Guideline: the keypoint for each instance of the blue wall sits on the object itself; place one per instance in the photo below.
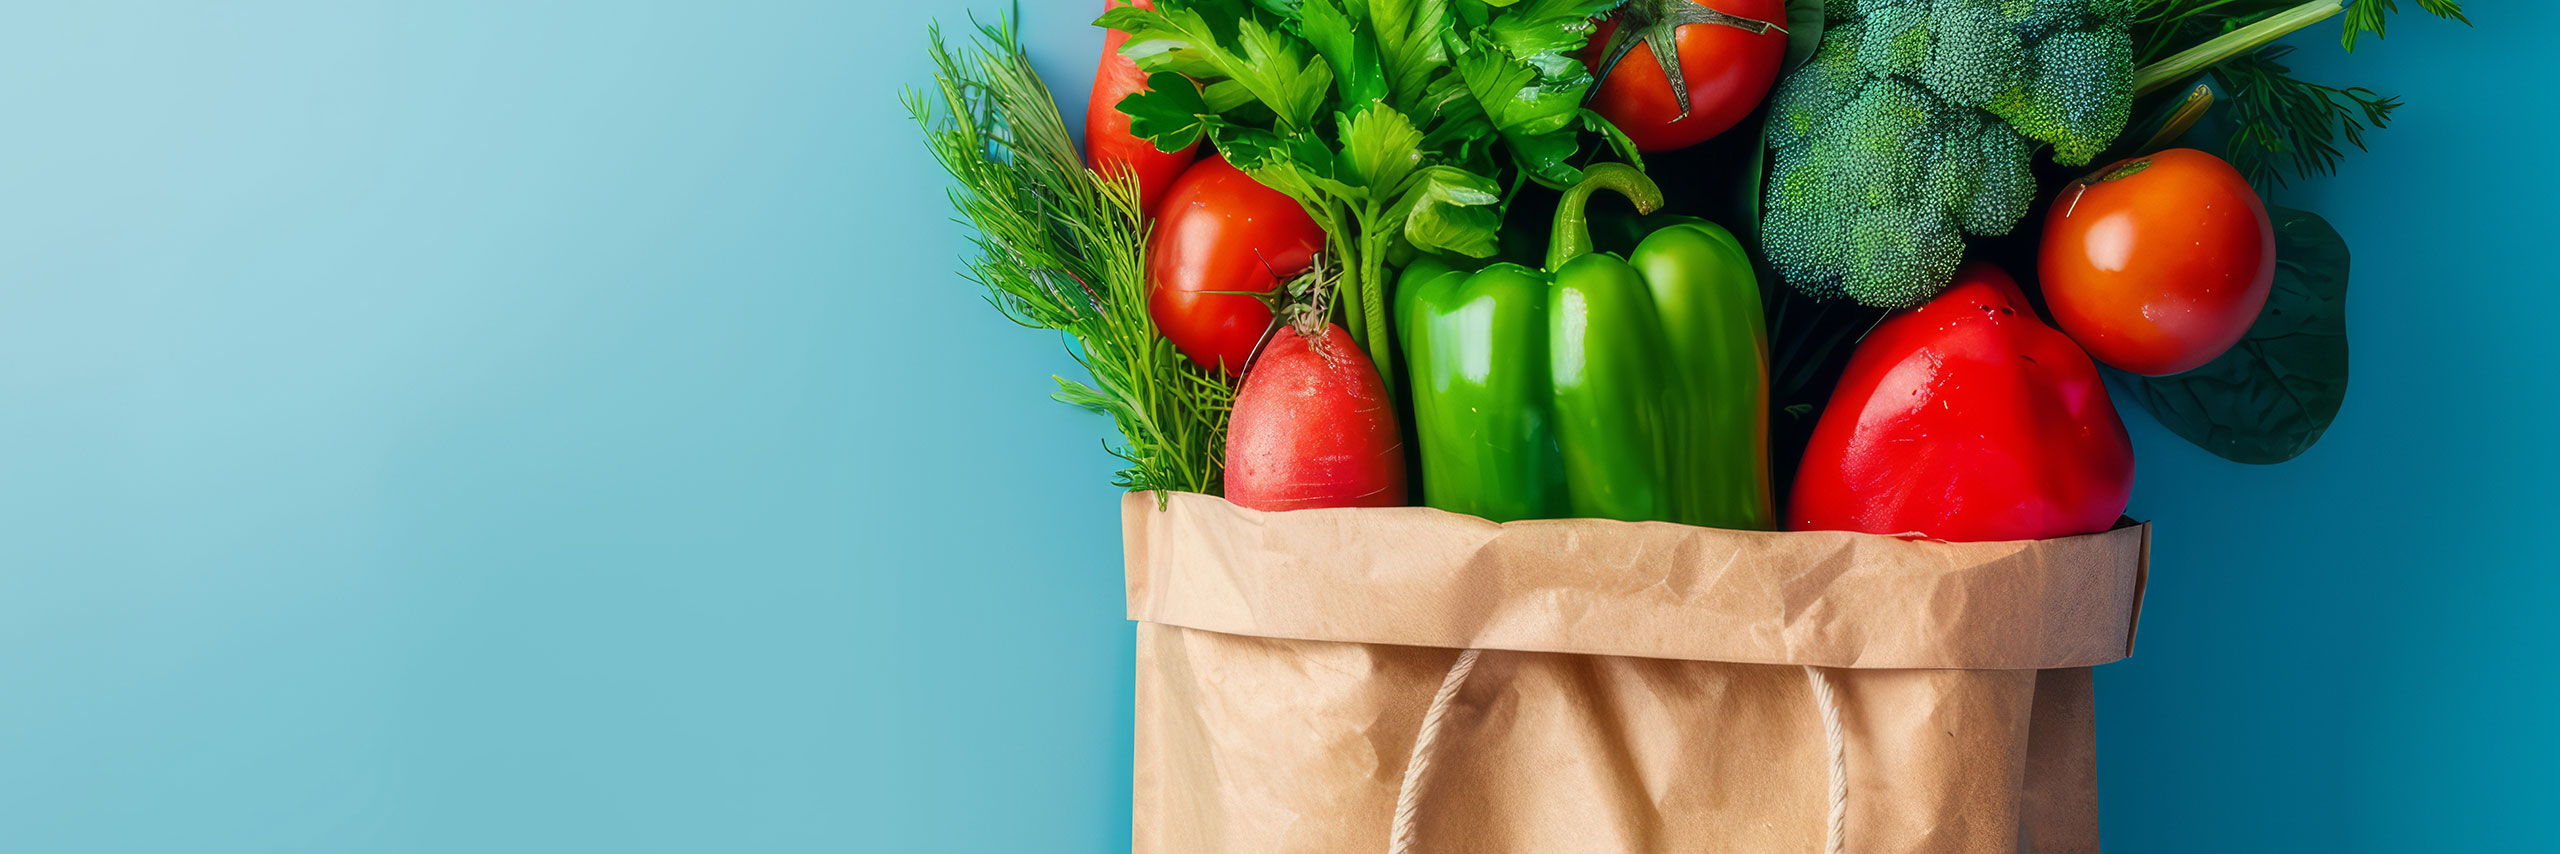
(484, 426)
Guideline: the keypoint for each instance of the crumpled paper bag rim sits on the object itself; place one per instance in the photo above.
(1417, 576)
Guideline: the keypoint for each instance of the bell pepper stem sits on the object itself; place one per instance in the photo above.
(1572, 235)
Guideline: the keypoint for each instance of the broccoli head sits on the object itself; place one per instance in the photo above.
(1913, 125)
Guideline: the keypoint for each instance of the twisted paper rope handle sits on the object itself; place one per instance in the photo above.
(1409, 796)
(1417, 770)
(1835, 840)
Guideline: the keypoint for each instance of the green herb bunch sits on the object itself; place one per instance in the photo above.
(1395, 123)
(1061, 248)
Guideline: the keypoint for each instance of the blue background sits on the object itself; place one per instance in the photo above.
(482, 426)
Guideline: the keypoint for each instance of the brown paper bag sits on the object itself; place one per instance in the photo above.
(1637, 687)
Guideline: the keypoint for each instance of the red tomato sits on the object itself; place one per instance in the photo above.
(1728, 70)
(2160, 263)
(1313, 428)
(1219, 230)
(1107, 143)
(1966, 419)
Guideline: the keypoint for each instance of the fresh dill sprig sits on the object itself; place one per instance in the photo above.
(2279, 117)
(1063, 249)
(2366, 16)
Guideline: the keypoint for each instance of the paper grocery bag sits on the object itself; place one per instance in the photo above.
(1636, 687)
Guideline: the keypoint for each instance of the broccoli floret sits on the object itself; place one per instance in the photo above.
(2075, 98)
(1896, 40)
(1979, 55)
(1913, 125)
(1823, 86)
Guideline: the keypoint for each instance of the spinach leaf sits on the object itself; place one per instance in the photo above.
(2270, 397)
(1804, 32)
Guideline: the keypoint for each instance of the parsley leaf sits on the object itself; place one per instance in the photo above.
(1394, 123)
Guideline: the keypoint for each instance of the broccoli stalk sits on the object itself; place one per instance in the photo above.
(1913, 125)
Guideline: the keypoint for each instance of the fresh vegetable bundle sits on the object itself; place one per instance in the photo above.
(1269, 183)
(1877, 265)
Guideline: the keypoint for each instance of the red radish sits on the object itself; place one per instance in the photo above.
(1313, 428)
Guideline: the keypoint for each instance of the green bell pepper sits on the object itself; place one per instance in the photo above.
(1632, 389)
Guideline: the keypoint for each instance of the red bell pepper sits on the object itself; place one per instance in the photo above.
(1967, 419)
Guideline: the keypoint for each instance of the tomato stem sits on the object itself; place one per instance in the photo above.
(1656, 24)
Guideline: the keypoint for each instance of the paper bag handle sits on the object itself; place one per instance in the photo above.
(1409, 795)
(1417, 770)
(1835, 840)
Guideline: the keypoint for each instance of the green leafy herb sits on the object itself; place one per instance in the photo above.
(2283, 118)
(2278, 117)
(1060, 248)
(2269, 398)
(1393, 122)
(2366, 16)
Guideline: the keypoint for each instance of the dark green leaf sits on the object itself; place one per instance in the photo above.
(1223, 95)
(1170, 114)
(1280, 72)
(2269, 398)
(1408, 33)
(1357, 71)
(1297, 164)
(1543, 157)
(1278, 69)
(1265, 156)
(1804, 32)
(1380, 147)
(1452, 210)
(1519, 99)
(1179, 41)
(1617, 139)
(1562, 10)
(1749, 195)
(1547, 34)
(1450, 110)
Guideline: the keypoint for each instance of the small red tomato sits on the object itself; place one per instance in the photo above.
(1313, 428)
(2158, 264)
(1108, 147)
(1220, 234)
(1727, 57)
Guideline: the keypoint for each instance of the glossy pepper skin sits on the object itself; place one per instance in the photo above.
(1602, 387)
(1966, 419)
